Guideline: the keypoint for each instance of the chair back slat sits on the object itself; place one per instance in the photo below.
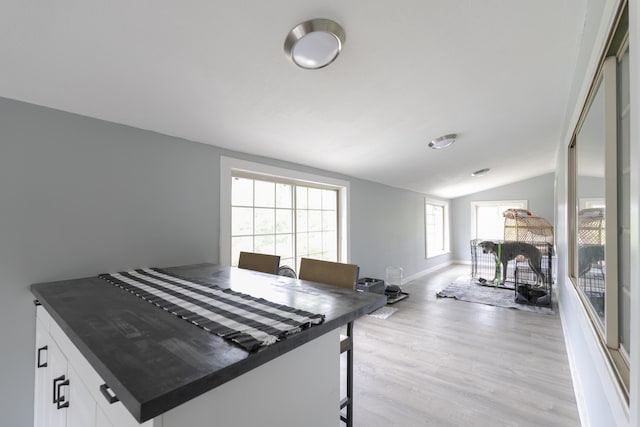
(329, 273)
(259, 262)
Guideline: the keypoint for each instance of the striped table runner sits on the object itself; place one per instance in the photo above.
(248, 321)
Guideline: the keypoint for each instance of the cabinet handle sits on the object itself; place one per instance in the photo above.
(55, 389)
(40, 364)
(111, 398)
(61, 399)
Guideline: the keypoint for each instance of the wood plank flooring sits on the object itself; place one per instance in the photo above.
(442, 362)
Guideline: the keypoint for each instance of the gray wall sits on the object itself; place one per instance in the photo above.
(538, 191)
(590, 187)
(388, 229)
(81, 196)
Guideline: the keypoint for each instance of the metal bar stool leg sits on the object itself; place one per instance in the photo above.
(347, 402)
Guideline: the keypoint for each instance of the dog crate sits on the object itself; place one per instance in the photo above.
(520, 226)
(486, 270)
(591, 262)
(592, 284)
(530, 290)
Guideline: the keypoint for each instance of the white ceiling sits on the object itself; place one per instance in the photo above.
(497, 72)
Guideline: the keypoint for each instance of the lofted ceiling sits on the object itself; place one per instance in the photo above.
(497, 72)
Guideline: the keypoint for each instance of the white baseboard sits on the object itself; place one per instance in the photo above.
(571, 355)
(594, 378)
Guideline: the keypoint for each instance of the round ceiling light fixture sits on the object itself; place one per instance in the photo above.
(443, 141)
(481, 172)
(315, 43)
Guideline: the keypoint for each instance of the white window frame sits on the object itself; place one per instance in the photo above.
(607, 331)
(516, 204)
(591, 202)
(229, 164)
(445, 227)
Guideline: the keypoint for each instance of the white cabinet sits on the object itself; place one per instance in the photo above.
(58, 385)
(102, 420)
(52, 384)
(70, 393)
(82, 412)
(67, 388)
(42, 372)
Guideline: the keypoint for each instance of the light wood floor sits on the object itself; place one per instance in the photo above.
(442, 362)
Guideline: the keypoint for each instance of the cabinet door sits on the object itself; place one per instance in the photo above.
(82, 408)
(41, 402)
(102, 420)
(56, 413)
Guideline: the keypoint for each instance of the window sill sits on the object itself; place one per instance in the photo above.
(437, 254)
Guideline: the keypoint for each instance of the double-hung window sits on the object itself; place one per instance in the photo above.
(436, 227)
(281, 212)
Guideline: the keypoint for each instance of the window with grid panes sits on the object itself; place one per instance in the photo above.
(283, 218)
(436, 227)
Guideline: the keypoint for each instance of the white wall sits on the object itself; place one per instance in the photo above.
(80, 196)
(538, 191)
(599, 400)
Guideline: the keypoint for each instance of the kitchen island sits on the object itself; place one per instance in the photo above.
(166, 371)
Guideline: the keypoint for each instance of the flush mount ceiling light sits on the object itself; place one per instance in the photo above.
(443, 141)
(315, 43)
(481, 172)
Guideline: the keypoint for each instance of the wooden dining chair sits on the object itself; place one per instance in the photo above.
(259, 262)
(344, 276)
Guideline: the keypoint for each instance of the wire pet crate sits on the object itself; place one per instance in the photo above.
(592, 283)
(591, 262)
(528, 289)
(520, 225)
(486, 270)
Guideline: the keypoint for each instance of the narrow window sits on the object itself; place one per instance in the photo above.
(436, 227)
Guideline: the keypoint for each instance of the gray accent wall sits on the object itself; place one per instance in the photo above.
(80, 196)
(388, 229)
(538, 191)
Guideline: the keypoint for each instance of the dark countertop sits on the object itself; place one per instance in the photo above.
(155, 361)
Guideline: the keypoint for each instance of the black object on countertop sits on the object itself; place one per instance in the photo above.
(368, 284)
